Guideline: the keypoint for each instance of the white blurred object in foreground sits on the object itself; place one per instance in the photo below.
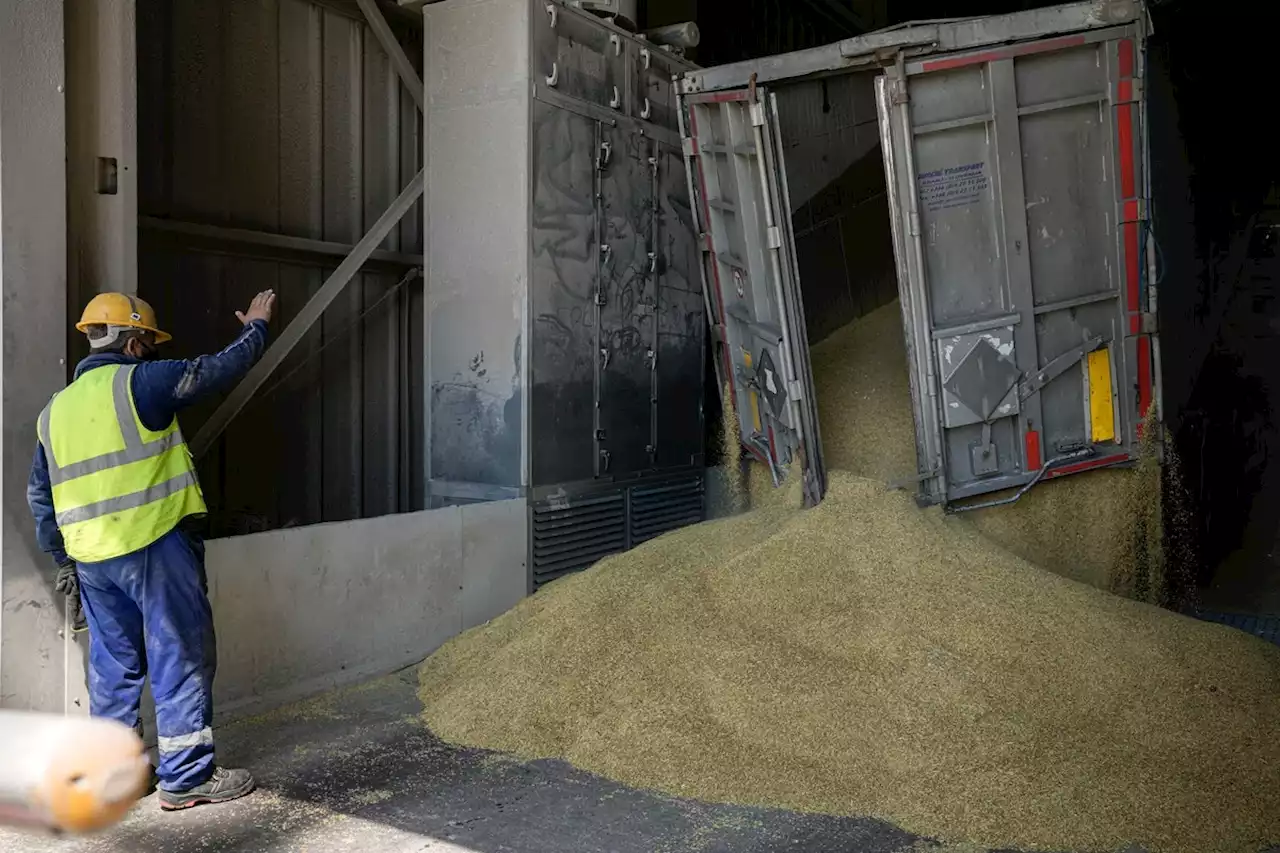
(68, 774)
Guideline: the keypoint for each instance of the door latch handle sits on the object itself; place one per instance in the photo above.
(553, 79)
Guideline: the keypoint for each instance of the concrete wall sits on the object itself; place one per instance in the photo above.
(304, 610)
(298, 610)
(476, 74)
(102, 114)
(37, 669)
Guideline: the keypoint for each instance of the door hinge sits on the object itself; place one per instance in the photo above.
(795, 390)
(899, 92)
(774, 235)
(600, 299)
(913, 223)
(757, 115)
(652, 357)
(1149, 324)
(690, 148)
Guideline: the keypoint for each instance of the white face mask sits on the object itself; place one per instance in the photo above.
(113, 334)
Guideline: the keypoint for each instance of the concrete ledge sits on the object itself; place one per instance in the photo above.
(306, 610)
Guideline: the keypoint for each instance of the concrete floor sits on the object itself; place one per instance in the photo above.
(357, 771)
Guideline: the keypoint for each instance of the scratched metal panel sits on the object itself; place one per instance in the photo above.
(628, 291)
(565, 267)
(477, 84)
(1021, 174)
(682, 322)
(285, 116)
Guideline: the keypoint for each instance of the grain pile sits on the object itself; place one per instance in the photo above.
(1101, 529)
(870, 658)
(867, 657)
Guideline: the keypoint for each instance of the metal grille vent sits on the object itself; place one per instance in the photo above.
(569, 536)
(659, 509)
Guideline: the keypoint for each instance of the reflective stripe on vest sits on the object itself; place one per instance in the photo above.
(134, 448)
(111, 502)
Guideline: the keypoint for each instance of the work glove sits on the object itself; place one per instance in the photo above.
(67, 582)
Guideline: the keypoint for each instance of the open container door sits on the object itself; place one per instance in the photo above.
(752, 292)
(1017, 181)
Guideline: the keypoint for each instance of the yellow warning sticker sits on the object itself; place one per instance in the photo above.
(1101, 407)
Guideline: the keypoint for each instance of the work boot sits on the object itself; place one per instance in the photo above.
(223, 785)
(153, 781)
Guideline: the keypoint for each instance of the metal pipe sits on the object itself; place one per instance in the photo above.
(684, 35)
(68, 774)
(285, 245)
(939, 461)
(1040, 475)
(381, 29)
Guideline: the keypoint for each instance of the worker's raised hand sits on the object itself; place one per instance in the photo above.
(259, 309)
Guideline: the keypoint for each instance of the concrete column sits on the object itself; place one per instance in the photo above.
(102, 151)
(38, 669)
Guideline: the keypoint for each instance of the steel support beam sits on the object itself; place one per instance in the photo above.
(408, 74)
(307, 317)
(351, 264)
(281, 244)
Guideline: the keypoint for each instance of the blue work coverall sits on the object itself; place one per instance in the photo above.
(148, 612)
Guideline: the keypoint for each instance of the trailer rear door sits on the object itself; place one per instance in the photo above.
(1018, 188)
(754, 305)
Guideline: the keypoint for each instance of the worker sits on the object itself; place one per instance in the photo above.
(111, 487)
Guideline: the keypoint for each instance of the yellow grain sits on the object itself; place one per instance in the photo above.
(868, 657)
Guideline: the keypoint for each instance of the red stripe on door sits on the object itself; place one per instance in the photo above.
(1126, 57)
(1144, 380)
(1087, 465)
(1006, 53)
(1131, 275)
(718, 97)
(1033, 450)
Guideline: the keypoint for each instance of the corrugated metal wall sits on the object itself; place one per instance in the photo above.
(285, 116)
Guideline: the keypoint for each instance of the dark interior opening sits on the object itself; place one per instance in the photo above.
(1215, 219)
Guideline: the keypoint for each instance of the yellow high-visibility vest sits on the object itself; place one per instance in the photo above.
(117, 486)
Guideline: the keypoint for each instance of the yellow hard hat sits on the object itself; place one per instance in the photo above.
(121, 309)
